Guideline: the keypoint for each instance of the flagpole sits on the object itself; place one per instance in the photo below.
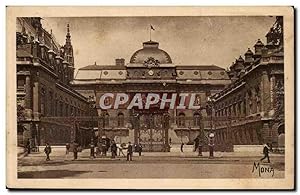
(150, 31)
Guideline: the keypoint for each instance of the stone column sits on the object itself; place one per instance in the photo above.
(255, 137)
(100, 127)
(247, 111)
(241, 108)
(27, 134)
(247, 137)
(272, 90)
(36, 100)
(28, 93)
(242, 136)
(265, 92)
(266, 132)
(166, 129)
(73, 130)
(38, 135)
(254, 100)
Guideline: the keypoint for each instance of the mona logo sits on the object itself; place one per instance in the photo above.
(262, 169)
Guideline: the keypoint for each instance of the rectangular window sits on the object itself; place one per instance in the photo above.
(21, 83)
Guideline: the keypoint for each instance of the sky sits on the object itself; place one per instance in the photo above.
(189, 40)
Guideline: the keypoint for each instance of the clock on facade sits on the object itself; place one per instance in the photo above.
(150, 72)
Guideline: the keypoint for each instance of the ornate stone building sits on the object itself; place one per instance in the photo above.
(251, 109)
(44, 72)
(151, 70)
(243, 105)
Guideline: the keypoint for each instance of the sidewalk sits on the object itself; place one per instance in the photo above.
(22, 152)
(58, 151)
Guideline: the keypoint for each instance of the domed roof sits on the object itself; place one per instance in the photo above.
(150, 52)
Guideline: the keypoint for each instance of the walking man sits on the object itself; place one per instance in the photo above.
(196, 143)
(140, 149)
(103, 147)
(67, 148)
(92, 147)
(28, 146)
(181, 147)
(114, 149)
(266, 153)
(121, 149)
(47, 151)
(200, 148)
(129, 152)
(75, 150)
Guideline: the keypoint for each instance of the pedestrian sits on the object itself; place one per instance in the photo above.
(196, 143)
(136, 148)
(181, 147)
(103, 147)
(98, 150)
(170, 141)
(129, 152)
(120, 147)
(266, 153)
(113, 149)
(28, 146)
(92, 147)
(200, 148)
(107, 143)
(211, 147)
(47, 151)
(67, 148)
(140, 149)
(75, 150)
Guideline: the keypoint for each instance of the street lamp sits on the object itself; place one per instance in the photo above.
(92, 106)
(211, 134)
(189, 127)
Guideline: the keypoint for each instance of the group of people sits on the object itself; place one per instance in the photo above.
(75, 148)
(137, 147)
(103, 146)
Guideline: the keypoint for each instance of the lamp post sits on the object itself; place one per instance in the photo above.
(92, 106)
(190, 128)
(211, 135)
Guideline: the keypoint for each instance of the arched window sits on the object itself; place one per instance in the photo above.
(281, 129)
(196, 119)
(67, 110)
(239, 108)
(258, 99)
(51, 103)
(181, 120)
(250, 103)
(60, 108)
(43, 102)
(120, 120)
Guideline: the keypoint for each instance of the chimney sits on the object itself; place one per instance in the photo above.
(258, 46)
(120, 62)
(248, 56)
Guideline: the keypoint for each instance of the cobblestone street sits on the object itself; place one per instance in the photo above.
(149, 165)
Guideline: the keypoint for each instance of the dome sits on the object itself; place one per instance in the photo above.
(150, 52)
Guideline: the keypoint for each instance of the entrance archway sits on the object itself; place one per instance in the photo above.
(281, 129)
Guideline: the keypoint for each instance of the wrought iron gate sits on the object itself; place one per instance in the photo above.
(152, 132)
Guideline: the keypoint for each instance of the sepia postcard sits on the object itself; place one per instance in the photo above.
(150, 98)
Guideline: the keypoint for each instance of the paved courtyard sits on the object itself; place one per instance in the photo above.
(150, 165)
